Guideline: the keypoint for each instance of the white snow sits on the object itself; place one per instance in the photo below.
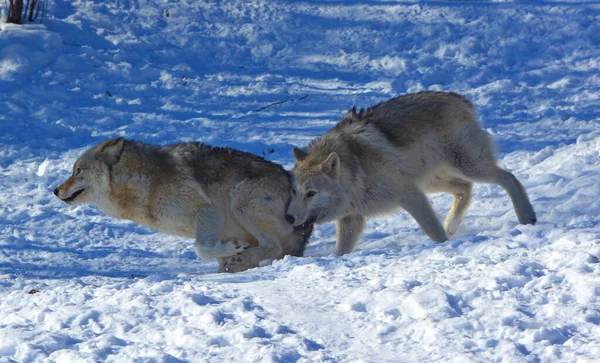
(167, 71)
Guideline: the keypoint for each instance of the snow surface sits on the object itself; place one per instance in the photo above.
(167, 71)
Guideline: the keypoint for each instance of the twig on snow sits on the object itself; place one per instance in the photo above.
(278, 103)
(270, 105)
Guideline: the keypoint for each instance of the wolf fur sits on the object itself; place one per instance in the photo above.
(389, 156)
(231, 202)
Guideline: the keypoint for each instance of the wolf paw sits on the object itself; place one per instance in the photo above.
(451, 228)
(528, 219)
(209, 249)
(236, 263)
(239, 245)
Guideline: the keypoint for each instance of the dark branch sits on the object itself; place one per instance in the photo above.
(270, 105)
(278, 103)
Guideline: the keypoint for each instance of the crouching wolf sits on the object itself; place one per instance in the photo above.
(233, 203)
(389, 156)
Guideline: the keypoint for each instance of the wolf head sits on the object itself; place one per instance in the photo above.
(89, 182)
(317, 194)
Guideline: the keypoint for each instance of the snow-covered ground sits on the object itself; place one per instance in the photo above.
(166, 71)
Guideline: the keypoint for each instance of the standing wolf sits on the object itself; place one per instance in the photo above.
(389, 156)
(230, 201)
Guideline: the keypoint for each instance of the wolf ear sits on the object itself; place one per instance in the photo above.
(352, 113)
(111, 150)
(331, 165)
(299, 155)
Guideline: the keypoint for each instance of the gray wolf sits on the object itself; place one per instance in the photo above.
(389, 156)
(231, 202)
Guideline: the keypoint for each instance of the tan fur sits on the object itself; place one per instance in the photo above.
(67, 184)
(388, 156)
(232, 203)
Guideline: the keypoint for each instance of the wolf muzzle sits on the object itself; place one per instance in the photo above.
(66, 185)
(305, 225)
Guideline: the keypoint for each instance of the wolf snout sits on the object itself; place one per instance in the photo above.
(302, 226)
(290, 218)
(73, 196)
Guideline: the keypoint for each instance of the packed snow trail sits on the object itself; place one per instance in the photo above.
(165, 72)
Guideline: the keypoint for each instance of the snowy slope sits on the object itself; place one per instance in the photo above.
(168, 71)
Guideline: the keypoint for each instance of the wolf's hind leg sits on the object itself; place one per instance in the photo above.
(518, 196)
(461, 189)
(260, 210)
(471, 153)
(414, 201)
(208, 246)
(348, 232)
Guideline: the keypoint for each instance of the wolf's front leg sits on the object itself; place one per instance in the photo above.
(414, 201)
(208, 246)
(348, 232)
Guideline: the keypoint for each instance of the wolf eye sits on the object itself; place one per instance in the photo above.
(311, 194)
(294, 191)
(77, 171)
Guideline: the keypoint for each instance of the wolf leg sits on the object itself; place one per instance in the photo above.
(518, 196)
(208, 246)
(269, 231)
(461, 189)
(414, 201)
(470, 152)
(258, 209)
(347, 233)
(292, 245)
